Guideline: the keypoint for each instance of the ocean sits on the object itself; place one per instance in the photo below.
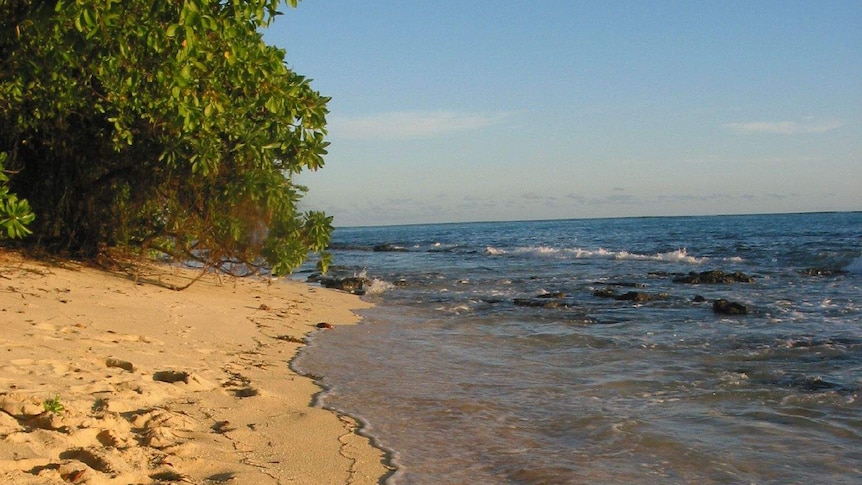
(584, 351)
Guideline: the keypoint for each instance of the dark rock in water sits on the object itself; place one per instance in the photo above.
(714, 277)
(828, 343)
(313, 278)
(822, 272)
(351, 284)
(324, 325)
(605, 293)
(726, 307)
(812, 384)
(659, 274)
(388, 248)
(635, 296)
(699, 299)
(545, 300)
(624, 284)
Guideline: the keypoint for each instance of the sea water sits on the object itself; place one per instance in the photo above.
(461, 385)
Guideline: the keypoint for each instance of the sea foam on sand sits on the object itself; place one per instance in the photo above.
(149, 385)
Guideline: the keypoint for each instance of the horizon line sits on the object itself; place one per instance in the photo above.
(585, 218)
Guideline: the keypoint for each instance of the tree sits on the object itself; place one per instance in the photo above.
(15, 214)
(164, 125)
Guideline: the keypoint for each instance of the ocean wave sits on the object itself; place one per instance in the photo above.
(579, 253)
(438, 247)
(538, 251)
(677, 256)
(378, 287)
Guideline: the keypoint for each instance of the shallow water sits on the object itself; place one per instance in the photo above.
(464, 386)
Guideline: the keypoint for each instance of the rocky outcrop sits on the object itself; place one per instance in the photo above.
(633, 296)
(351, 284)
(822, 272)
(545, 300)
(624, 284)
(714, 277)
(726, 307)
(388, 248)
(640, 296)
(605, 293)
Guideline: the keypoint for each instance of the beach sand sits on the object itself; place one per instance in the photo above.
(162, 386)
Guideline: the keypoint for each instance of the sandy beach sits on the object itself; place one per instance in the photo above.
(148, 385)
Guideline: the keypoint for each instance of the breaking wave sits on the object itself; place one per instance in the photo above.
(677, 256)
(378, 287)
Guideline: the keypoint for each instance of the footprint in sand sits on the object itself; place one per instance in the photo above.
(8, 425)
(110, 438)
(116, 338)
(162, 429)
(246, 392)
(171, 376)
(19, 406)
(95, 459)
(40, 367)
(193, 381)
(239, 385)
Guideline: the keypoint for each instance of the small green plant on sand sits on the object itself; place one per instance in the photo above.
(53, 405)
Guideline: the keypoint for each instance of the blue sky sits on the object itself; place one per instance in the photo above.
(478, 110)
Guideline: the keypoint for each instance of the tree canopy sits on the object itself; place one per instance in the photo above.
(160, 125)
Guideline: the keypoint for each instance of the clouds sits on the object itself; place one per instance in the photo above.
(616, 199)
(406, 125)
(783, 127)
(533, 205)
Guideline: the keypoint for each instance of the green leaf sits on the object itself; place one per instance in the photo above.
(89, 20)
(139, 123)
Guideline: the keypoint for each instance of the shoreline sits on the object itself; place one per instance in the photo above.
(361, 426)
(150, 384)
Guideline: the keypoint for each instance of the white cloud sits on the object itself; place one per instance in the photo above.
(405, 125)
(783, 127)
(604, 200)
(535, 196)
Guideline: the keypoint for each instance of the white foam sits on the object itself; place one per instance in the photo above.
(677, 256)
(539, 250)
(377, 287)
(680, 255)
(580, 253)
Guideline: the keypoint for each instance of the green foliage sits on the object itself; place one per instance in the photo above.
(160, 125)
(15, 214)
(53, 405)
